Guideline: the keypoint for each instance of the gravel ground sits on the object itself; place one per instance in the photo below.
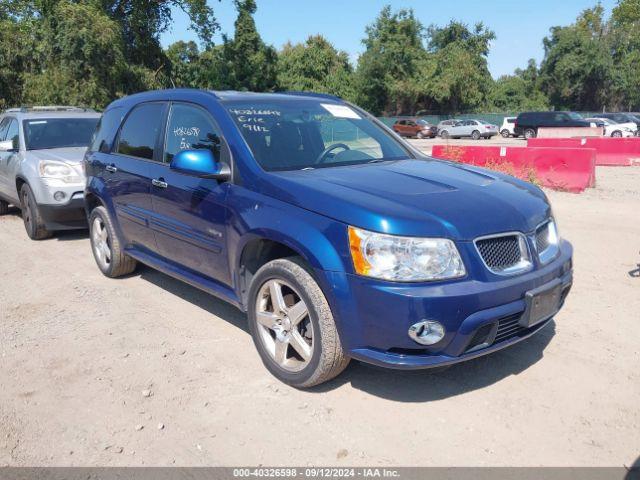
(149, 371)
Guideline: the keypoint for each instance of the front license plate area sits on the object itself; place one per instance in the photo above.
(542, 303)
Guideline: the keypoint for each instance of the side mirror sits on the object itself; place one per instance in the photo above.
(7, 146)
(199, 163)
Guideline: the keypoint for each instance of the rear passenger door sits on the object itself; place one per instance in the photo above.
(190, 212)
(127, 172)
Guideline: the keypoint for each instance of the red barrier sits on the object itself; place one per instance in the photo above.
(569, 169)
(609, 151)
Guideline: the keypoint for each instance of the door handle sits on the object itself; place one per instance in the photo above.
(111, 168)
(159, 182)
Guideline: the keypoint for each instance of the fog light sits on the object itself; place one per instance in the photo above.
(426, 332)
(59, 196)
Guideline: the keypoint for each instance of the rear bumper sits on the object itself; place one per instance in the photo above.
(69, 216)
(479, 317)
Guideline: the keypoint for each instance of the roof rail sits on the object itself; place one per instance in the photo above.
(313, 94)
(48, 108)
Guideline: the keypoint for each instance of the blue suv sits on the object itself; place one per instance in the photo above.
(336, 237)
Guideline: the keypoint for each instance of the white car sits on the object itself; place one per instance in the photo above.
(506, 129)
(614, 129)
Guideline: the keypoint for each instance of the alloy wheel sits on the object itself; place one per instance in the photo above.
(100, 241)
(284, 326)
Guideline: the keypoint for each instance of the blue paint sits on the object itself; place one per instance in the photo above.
(197, 227)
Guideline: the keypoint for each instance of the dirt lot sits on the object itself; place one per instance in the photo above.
(149, 371)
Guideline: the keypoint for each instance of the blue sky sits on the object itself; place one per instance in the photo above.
(519, 26)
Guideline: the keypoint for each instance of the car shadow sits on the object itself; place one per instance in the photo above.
(397, 385)
(193, 295)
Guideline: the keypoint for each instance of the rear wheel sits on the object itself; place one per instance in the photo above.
(475, 135)
(292, 325)
(505, 133)
(420, 135)
(33, 221)
(529, 133)
(617, 134)
(106, 247)
(4, 207)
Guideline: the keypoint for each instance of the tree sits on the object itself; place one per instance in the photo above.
(518, 92)
(315, 66)
(458, 75)
(250, 64)
(82, 58)
(577, 70)
(386, 78)
(184, 64)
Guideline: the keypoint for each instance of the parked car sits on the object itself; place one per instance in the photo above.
(475, 129)
(622, 117)
(506, 130)
(527, 123)
(415, 128)
(362, 248)
(615, 129)
(446, 123)
(41, 150)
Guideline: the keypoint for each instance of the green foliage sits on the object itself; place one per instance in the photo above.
(89, 52)
(315, 66)
(249, 64)
(577, 71)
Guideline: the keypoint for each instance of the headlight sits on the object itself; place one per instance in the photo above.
(59, 171)
(404, 259)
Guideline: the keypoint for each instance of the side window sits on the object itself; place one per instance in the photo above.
(140, 131)
(190, 128)
(13, 133)
(3, 128)
(511, 120)
(106, 130)
(411, 123)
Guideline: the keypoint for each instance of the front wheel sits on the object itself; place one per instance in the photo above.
(505, 133)
(31, 216)
(529, 133)
(444, 134)
(617, 134)
(420, 135)
(292, 325)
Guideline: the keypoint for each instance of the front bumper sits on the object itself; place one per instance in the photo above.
(374, 316)
(67, 216)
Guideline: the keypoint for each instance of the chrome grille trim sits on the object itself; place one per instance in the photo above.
(494, 250)
(546, 251)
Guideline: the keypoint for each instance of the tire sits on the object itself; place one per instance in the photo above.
(616, 134)
(420, 136)
(276, 335)
(106, 246)
(530, 133)
(505, 133)
(31, 216)
(476, 135)
(4, 207)
(444, 134)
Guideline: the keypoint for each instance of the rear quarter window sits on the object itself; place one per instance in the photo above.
(106, 130)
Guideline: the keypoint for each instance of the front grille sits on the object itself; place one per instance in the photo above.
(508, 327)
(542, 238)
(503, 253)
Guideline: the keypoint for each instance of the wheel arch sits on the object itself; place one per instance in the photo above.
(260, 247)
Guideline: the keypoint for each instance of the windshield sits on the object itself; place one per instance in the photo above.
(423, 122)
(295, 134)
(43, 133)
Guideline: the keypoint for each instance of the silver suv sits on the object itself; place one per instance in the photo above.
(41, 151)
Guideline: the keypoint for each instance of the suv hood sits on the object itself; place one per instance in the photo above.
(70, 155)
(416, 197)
